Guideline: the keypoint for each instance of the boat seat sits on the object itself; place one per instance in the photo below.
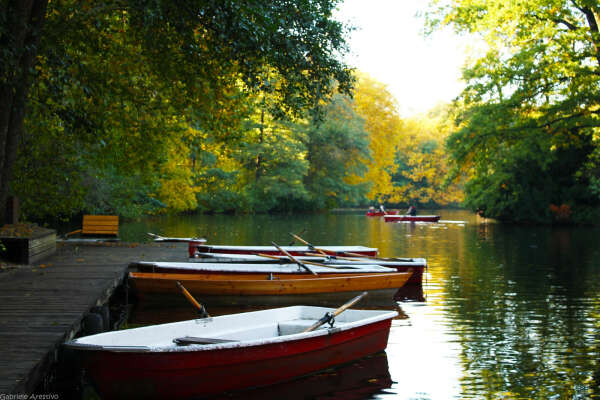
(184, 341)
(297, 326)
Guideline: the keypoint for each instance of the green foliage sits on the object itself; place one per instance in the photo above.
(119, 85)
(528, 121)
(422, 164)
(335, 148)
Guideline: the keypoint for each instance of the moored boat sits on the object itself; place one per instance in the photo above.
(259, 268)
(219, 262)
(411, 218)
(267, 288)
(196, 247)
(159, 238)
(214, 355)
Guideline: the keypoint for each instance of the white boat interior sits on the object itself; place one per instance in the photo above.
(240, 258)
(275, 268)
(234, 330)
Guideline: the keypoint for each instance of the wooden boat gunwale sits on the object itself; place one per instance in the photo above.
(254, 258)
(275, 267)
(212, 284)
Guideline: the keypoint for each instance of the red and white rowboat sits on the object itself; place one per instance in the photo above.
(377, 213)
(227, 353)
(411, 218)
(199, 247)
(219, 262)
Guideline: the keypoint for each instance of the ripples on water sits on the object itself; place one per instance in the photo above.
(511, 312)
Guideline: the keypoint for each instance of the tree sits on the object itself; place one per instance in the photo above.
(374, 103)
(188, 46)
(21, 25)
(422, 162)
(529, 117)
(336, 147)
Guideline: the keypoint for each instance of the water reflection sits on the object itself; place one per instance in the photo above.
(509, 311)
(361, 379)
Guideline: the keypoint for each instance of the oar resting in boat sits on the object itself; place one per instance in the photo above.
(330, 316)
(300, 263)
(306, 262)
(323, 252)
(201, 309)
(310, 246)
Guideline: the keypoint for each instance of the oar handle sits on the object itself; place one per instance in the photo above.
(329, 316)
(284, 260)
(300, 263)
(310, 246)
(269, 256)
(357, 254)
(191, 299)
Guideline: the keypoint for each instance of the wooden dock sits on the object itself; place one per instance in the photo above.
(43, 305)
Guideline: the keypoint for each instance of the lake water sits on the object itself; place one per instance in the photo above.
(510, 312)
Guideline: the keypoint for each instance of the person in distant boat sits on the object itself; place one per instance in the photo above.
(481, 211)
(381, 208)
(412, 210)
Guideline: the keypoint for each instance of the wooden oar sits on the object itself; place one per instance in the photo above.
(361, 256)
(329, 316)
(301, 232)
(300, 263)
(201, 310)
(333, 257)
(304, 261)
(310, 246)
(326, 254)
(358, 255)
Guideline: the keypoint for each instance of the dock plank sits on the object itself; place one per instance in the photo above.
(43, 304)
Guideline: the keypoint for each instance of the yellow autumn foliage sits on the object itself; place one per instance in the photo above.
(177, 190)
(375, 104)
(425, 162)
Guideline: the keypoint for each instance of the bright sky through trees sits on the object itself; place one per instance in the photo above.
(389, 45)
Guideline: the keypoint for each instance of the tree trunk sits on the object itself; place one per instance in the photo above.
(19, 40)
(258, 165)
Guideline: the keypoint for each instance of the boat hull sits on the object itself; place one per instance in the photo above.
(416, 266)
(411, 218)
(200, 372)
(264, 284)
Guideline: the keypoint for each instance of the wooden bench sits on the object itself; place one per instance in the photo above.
(98, 225)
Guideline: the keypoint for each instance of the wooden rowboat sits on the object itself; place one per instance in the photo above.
(196, 247)
(256, 284)
(214, 289)
(411, 218)
(253, 263)
(158, 238)
(208, 356)
(261, 268)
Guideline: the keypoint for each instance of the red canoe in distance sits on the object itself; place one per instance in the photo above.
(411, 218)
(380, 213)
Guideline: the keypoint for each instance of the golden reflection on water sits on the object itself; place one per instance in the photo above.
(508, 311)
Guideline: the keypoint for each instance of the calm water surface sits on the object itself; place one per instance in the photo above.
(510, 312)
